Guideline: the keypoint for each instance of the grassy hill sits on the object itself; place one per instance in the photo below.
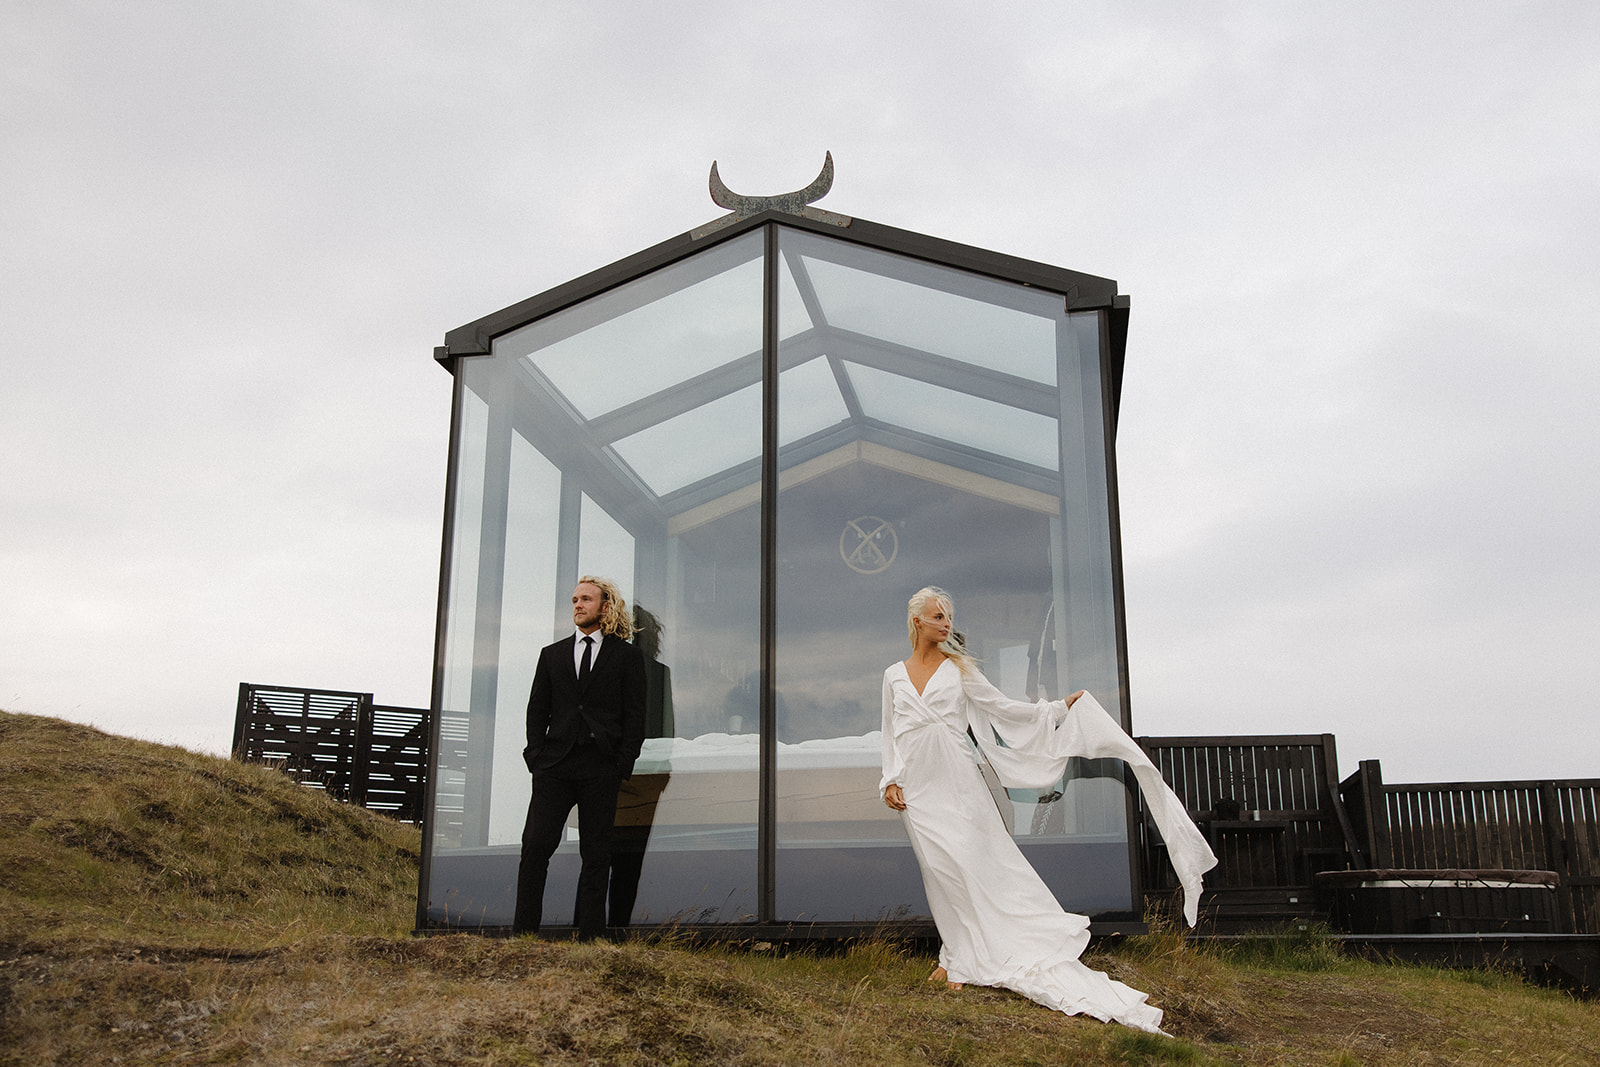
(104, 839)
(162, 907)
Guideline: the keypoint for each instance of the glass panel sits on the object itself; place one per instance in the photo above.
(934, 427)
(525, 623)
(607, 549)
(650, 334)
(950, 415)
(450, 771)
(467, 525)
(725, 433)
(700, 443)
(938, 475)
(544, 498)
(936, 310)
(793, 317)
(811, 401)
(1093, 801)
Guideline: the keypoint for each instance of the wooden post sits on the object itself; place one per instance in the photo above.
(361, 751)
(1331, 783)
(241, 716)
(1370, 782)
(1557, 854)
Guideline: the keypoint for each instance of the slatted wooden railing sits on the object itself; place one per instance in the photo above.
(1269, 804)
(369, 754)
(1529, 825)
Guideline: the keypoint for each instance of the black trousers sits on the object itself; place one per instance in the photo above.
(585, 778)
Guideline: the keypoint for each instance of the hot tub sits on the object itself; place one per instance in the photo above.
(1439, 902)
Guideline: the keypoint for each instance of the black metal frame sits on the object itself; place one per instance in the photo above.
(1079, 291)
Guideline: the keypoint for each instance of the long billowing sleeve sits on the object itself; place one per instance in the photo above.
(1039, 740)
(894, 764)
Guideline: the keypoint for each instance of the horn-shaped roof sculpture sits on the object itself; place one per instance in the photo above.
(795, 203)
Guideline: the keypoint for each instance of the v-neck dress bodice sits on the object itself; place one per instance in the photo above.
(999, 924)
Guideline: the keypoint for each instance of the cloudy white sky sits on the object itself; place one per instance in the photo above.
(1358, 447)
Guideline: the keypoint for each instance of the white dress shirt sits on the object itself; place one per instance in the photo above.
(577, 649)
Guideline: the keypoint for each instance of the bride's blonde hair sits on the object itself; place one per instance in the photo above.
(951, 646)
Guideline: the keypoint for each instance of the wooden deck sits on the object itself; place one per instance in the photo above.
(1271, 809)
(1528, 825)
(1277, 814)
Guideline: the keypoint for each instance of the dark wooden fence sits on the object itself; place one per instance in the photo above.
(374, 755)
(1276, 815)
(1536, 826)
(1269, 805)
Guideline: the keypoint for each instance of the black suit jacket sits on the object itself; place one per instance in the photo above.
(611, 704)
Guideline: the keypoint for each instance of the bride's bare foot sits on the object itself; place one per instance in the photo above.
(941, 975)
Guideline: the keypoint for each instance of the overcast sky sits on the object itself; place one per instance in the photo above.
(1358, 448)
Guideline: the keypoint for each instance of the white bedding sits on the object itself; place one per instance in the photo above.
(730, 752)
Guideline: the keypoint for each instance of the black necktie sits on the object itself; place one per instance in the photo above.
(583, 668)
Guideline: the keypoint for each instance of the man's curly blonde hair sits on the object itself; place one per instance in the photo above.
(614, 618)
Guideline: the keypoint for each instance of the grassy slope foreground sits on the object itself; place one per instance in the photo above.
(159, 906)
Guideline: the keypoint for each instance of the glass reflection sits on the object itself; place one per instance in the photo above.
(567, 466)
(946, 474)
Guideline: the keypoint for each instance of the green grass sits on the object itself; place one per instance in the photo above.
(163, 907)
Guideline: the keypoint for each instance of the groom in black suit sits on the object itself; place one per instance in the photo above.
(585, 728)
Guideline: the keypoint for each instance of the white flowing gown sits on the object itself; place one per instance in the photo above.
(998, 922)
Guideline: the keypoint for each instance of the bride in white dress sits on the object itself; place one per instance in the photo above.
(998, 922)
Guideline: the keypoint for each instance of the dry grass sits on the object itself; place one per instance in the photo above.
(106, 837)
(161, 907)
(470, 1000)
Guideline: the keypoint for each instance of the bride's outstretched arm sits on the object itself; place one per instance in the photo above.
(1020, 722)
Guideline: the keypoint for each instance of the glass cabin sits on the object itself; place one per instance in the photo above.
(770, 435)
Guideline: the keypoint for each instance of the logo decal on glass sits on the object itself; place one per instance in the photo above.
(868, 544)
